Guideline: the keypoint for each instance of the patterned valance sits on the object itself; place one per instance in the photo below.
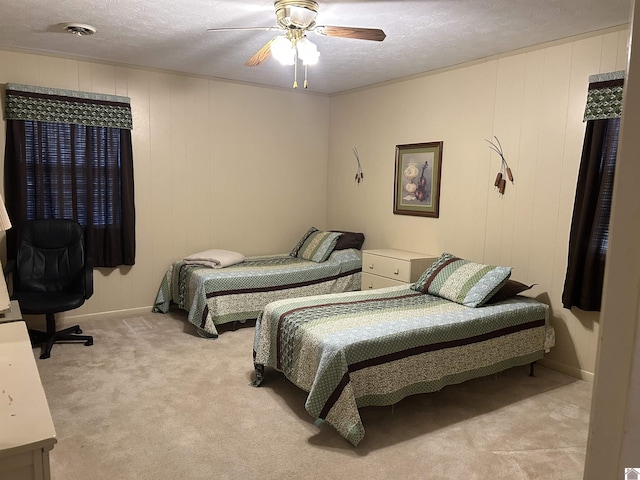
(604, 98)
(27, 102)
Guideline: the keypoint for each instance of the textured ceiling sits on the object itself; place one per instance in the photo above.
(422, 35)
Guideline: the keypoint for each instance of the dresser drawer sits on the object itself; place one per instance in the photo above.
(393, 268)
(370, 281)
(387, 267)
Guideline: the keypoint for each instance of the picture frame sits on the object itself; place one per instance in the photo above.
(418, 170)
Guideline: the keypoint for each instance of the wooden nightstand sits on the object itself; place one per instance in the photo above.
(387, 267)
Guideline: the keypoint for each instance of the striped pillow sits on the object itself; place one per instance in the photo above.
(318, 246)
(462, 281)
(296, 249)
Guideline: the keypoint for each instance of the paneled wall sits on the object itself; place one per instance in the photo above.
(216, 164)
(533, 101)
(226, 165)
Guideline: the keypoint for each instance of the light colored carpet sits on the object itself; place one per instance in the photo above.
(152, 400)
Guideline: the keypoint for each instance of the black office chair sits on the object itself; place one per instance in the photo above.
(51, 274)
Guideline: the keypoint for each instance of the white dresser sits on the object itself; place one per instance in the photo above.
(26, 429)
(387, 267)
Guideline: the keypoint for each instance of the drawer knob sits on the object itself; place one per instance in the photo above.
(371, 266)
(397, 272)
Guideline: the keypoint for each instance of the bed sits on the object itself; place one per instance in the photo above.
(375, 347)
(216, 296)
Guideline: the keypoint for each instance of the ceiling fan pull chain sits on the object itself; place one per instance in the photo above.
(306, 84)
(295, 70)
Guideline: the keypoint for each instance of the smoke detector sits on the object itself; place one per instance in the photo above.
(79, 29)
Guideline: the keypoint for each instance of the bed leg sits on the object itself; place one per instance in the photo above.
(531, 373)
(259, 368)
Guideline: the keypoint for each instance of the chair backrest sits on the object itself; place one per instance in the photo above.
(50, 256)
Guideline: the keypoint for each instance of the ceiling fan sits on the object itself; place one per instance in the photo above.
(296, 18)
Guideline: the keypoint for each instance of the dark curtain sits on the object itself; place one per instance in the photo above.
(57, 170)
(589, 237)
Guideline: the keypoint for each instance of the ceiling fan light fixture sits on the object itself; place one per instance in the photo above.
(301, 17)
(312, 60)
(307, 51)
(296, 13)
(283, 50)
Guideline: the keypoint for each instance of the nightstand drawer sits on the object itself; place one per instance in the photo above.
(370, 281)
(393, 268)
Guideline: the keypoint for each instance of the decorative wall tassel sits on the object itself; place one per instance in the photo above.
(500, 182)
(509, 175)
(359, 175)
(503, 184)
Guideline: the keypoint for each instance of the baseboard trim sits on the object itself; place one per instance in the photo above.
(567, 369)
(69, 320)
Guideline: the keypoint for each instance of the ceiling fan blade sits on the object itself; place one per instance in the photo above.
(261, 55)
(352, 32)
(230, 29)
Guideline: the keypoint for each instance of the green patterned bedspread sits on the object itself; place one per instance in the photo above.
(376, 347)
(214, 296)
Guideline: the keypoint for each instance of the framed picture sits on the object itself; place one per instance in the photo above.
(417, 179)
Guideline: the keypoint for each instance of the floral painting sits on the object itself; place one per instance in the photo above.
(417, 179)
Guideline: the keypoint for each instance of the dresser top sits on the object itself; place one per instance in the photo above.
(25, 421)
(399, 254)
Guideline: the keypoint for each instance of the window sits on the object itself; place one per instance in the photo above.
(72, 160)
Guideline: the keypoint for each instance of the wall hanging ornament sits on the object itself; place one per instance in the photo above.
(359, 174)
(500, 182)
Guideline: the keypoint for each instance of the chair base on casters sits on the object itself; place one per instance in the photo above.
(48, 338)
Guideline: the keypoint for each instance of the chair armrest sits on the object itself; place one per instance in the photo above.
(88, 277)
